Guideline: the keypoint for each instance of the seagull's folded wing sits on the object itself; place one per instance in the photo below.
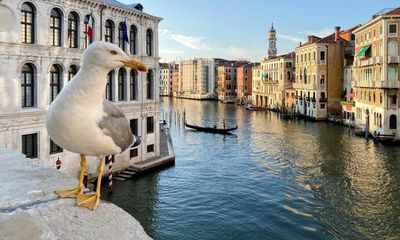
(116, 125)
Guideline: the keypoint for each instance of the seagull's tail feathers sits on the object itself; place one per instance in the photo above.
(137, 142)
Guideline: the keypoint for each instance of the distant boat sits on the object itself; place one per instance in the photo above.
(253, 108)
(211, 129)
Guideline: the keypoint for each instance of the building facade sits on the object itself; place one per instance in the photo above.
(175, 81)
(41, 43)
(277, 74)
(244, 83)
(226, 83)
(167, 70)
(376, 74)
(196, 79)
(319, 75)
(257, 94)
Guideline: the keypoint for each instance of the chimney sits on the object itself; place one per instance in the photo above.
(337, 30)
(300, 44)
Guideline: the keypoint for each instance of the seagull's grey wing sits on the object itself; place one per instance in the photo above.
(116, 125)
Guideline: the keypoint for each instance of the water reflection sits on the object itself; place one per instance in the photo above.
(272, 179)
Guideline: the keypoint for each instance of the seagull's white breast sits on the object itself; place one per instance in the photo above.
(72, 122)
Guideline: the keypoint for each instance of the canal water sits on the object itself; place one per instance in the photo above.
(271, 179)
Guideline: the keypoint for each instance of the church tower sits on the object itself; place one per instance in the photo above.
(272, 42)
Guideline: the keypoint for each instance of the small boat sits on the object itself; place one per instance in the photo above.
(211, 129)
(251, 107)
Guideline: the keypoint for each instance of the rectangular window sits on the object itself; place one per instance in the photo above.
(133, 153)
(150, 148)
(392, 73)
(322, 56)
(150, 125)
(29, 145)
(134, 126)
(54, 148)
(392, 28)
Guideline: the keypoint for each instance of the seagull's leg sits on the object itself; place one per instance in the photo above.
(92, 200)
(74, 192)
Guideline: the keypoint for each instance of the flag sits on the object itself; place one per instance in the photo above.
(90, 27)
(124, 32)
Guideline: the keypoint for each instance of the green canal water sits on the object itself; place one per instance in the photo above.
(271, 179)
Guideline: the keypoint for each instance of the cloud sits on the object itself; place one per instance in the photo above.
(164, 51)
(192, 42)
(291, 38)
(301, 36)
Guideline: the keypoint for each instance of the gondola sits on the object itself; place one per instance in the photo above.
(211, 129)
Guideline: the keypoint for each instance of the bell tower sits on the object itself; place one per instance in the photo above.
(272, 42)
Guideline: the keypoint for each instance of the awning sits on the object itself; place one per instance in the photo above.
(264, 75)
(363, 50)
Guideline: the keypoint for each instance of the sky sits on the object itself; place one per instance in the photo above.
(235, 30)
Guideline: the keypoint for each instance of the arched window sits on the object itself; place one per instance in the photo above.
(288, 76)
(109, 86)
(27, 23)
(87, 39)
(133, 39)
(149, 84)
(121, 84)
(392, 49)
(149, 42)
(305, 75)
(55, 27)
(374, 97)
(27, 85)
(73, 69)
(393, 122)
(133, 84)
(55, 81)
(121, 42)
(73, 24)
(109, 35)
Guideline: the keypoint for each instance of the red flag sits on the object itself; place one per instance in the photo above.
(90, 27)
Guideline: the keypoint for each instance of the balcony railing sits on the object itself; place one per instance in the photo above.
(322, 99)
(376, 84)
(393, 59)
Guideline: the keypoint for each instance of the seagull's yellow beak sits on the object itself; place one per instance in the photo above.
(136, 65)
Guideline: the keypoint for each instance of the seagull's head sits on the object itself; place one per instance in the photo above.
(109, 56)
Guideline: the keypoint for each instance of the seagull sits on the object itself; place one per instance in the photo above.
(80, 120)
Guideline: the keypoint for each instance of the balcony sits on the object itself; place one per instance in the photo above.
(393, 59)
(308, 86)
(323, 99)
(313, 99)
(376, 84)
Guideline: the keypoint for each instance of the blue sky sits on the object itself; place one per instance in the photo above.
(238, 29)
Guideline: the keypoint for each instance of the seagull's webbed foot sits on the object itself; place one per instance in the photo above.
(92, 200)
(70, 193)
(88, 200)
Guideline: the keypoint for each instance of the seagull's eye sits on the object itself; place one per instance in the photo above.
(113, 52)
